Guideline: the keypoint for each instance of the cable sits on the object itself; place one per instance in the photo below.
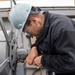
(14, 2)
(35, 71)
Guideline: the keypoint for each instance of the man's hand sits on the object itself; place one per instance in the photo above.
(31, 56)
(37, 61)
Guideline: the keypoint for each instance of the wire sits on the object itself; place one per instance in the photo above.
(35, 71)
(14, 2)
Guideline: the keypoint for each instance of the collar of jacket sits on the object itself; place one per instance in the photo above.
(46, 26)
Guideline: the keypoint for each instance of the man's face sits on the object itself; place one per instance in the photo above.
(34, 28)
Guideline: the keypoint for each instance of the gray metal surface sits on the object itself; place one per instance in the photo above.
(20, 69)
(23, 45)
(4, 59)
(4, 31)
(69, 11)
(3, 47)
(3, 64)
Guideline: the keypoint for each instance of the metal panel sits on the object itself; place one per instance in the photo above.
(69, 11)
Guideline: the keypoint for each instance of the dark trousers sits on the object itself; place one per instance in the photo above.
(64, 73)
(49, 73)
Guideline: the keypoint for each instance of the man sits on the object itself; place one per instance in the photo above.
(54, 48)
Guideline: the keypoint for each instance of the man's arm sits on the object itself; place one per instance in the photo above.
(64, 59)
(32, 55)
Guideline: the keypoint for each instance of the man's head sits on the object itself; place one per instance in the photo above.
(27, 18)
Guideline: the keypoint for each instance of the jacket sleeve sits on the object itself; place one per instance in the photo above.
(35, 45)
(64, 45)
